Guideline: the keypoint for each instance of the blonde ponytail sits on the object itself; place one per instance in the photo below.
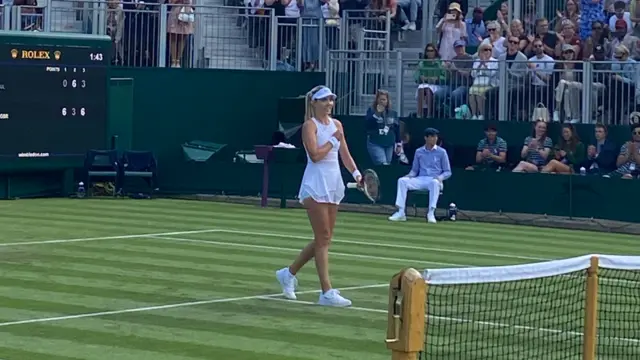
(308, 108)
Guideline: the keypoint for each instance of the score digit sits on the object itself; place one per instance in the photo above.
(73, 111)
(82, 112)
(64, 83)
(74, 83)
(64, 111)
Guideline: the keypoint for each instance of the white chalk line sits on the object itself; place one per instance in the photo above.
(467, 321)
(297, 250)
(171, 306)
(116, 237)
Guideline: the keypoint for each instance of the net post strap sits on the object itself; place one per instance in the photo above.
(493, 274)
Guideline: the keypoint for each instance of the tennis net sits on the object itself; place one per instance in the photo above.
(563, 309)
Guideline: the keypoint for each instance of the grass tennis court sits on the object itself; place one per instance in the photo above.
(178, 280)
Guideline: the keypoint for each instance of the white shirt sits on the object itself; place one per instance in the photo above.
(498, 46)
(626, 17)
(544, 66)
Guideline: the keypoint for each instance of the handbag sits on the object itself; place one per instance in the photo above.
(540, 112)
(186, 15)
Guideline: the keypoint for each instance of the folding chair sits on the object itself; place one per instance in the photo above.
(101, 165)
(139, 164)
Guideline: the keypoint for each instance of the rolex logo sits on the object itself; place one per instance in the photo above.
(57, 54)
(14, 53)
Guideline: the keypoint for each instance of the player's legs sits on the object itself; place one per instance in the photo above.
(406, 184)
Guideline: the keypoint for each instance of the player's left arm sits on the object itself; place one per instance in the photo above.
(345, 154)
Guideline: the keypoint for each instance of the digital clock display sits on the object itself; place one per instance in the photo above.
(53, 98)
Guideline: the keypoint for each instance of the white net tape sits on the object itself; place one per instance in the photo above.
(492, 274)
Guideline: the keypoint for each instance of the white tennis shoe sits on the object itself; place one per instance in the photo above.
(333, 298)
(288, 283)
(398, 216)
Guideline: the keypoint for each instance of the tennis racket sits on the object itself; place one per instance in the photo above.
(370, 185)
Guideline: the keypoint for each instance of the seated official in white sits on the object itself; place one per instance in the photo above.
(430, 168)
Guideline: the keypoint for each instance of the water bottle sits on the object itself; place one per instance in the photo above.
(583, 171)
(453, 211)
(80, 193)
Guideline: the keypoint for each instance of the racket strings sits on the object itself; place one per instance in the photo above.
(371, 185)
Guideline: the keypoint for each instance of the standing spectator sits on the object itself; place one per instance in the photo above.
(541, 75)
(383, 131)
(115, 25)
(311, 13)
(451, 28)
(517, 78)
(476, 30)
(567, 82)
(536, 149)
(31, 15)
(491, 152)
(601, 154)
(141, 34)
(569, 153)
(430, 77)
(590, 11)
(179, 27)
(628, 161)
(485, 77)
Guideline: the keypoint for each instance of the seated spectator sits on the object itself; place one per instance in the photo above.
(383, 131)
(634, 14)
(450, 29)
(568, 154)
(620, 14)
(568, 36)
(567, 82)
(516, 29)
(536, 149)
(599, 37)
(600, 76)
(430, 77)
(495, 39)
(179, 27)
(628, 161)
(601, 154)
(549, 38)
(632, 42)
(31, 15)
(491, 153)
(476, 30)
(141, 34)
(622, 88)
(411, 6)
(458, 79)
(485, 77)
(542, 66)
(571, 12)
(517, 79)
(590, 12)
(617, 37)
(429, 170)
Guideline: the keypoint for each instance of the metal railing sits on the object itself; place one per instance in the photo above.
(582, 92)
(218, 37)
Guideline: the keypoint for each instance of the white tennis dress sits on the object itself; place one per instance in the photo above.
(322, 180)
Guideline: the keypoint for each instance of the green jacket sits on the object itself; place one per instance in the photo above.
(431, 69)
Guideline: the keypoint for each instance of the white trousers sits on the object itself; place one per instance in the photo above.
(418, 183)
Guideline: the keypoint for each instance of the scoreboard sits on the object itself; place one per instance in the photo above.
(53, 93)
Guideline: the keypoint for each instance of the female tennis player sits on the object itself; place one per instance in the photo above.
(321, 191)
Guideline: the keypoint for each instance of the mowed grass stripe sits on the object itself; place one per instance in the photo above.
(226, 213)
(8, 353)
(208, 345)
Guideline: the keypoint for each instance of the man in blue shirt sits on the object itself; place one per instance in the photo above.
(430, 168)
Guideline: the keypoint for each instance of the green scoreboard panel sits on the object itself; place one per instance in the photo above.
(53, 93)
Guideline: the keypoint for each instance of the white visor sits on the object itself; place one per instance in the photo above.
(323, 93)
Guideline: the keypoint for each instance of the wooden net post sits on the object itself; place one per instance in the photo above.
(407, 306)
(591, 312)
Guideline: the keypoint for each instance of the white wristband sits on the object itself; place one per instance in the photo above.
(355, 175)
(333, 141)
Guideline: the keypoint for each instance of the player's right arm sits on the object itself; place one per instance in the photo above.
(309, 140)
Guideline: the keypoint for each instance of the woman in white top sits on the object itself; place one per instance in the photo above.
(321, 191)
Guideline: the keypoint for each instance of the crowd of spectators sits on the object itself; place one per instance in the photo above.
(543, 64)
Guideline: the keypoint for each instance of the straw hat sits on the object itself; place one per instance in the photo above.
(455, 6)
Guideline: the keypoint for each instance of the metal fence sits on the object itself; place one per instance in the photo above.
(577, 92)
(215, 36)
